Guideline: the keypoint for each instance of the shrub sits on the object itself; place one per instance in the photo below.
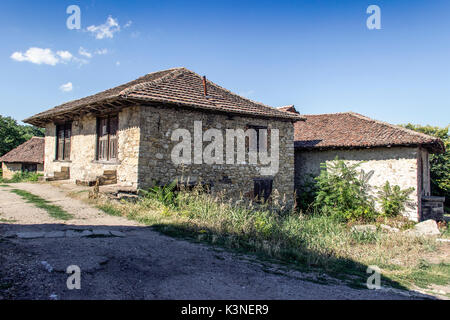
(343, 192)
(307, 195)
(164, 194)
(22, 177)
(393, 200)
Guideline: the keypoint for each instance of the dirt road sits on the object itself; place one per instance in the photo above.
(120, 259)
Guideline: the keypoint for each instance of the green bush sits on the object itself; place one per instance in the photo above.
(343, 192)
(307, 194)
(164, 194)
(22, 177)
(393, 200)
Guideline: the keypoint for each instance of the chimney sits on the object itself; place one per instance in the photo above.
(204, 86)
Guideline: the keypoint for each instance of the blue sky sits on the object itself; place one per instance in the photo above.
(317, 55)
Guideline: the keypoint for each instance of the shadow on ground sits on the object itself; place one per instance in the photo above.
(139, 263)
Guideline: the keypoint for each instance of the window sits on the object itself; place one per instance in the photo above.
(262, 189)
(107, 138)
(63, 137)
(29, 167)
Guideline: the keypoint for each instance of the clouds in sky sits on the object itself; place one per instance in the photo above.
(82, 51)
(67, 87)
(41, 56)
(101, 51)
(47, 56)
(107, 29)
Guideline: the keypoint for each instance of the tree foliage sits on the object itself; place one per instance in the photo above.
(439, 163)
(13, 134)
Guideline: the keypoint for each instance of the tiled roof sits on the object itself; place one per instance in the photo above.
(352, 130)
(31, 151)
(289, 108)
(178, 86)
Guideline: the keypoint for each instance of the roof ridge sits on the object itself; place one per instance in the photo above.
(174, 72)
(181, 71)
(366, 118)
(420, 134)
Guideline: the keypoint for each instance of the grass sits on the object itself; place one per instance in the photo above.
(307, 242)
(53, 210)
(22, 177)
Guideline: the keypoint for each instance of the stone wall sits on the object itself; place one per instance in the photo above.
(156, 166)
(9, 169)
(145, 148)
(83, 164)
(399, 166)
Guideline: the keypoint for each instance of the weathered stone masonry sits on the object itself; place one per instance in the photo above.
(83, 164)
(155, 164)
(144, 156)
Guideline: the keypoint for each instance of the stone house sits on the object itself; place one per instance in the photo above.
(28, 157)
(124, 135)
(390, 152)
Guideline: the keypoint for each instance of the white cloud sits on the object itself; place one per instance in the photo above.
(105, 30)
(67, 87)
(39, 56)
(118, 63)
(101, 51)
(82, 51)
(128, 24)
(64, 55)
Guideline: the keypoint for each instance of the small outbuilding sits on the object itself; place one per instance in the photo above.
(28, 157)
(392, 153)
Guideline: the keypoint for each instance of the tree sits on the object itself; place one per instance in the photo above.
(439, 163)
(12, 134)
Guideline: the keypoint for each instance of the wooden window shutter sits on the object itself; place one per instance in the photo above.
(113, 128)
(60, 143)
(103, 139)
(67, 140)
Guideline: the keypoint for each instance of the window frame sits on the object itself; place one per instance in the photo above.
(110, 140)
(66, 144)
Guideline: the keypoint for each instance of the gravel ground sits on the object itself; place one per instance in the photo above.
(138, 264)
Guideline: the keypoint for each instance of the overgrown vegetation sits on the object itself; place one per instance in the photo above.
(439, 163)
(343, 192)
(393, 199)
(22, 177)
(308, 242)
(53, 210)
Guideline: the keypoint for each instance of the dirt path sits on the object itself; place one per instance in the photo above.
(120, 259)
